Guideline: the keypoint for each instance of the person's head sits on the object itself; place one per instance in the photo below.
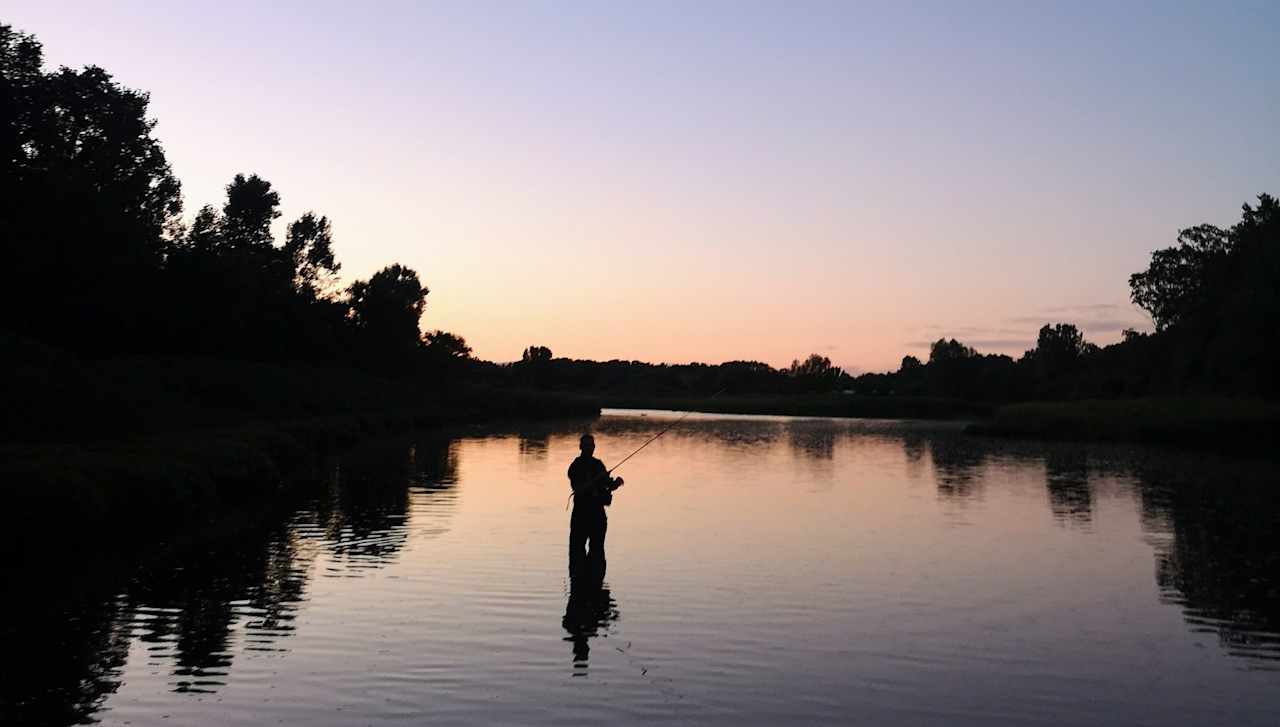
(587, 444)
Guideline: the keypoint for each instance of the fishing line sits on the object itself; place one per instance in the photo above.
(672, 694)
(649, 441)
(659, 434)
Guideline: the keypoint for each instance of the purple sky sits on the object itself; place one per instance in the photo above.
(719, 180)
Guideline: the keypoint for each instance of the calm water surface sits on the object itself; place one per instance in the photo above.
(760, 569)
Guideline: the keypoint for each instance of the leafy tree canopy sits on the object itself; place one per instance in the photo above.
(949, 350)
(536, 354)
(446, 344)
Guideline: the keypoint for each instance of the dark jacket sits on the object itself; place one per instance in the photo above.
(591, 485)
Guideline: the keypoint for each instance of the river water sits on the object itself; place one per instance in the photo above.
(760, 570)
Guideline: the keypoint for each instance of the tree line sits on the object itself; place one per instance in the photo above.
(1214, 298)
(102, 263)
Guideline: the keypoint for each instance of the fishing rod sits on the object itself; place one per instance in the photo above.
(659, 434)
(649, 441)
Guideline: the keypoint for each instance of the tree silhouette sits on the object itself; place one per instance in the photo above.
(1062, 339)
(309, 247)
(86, 196)
(204, 237)
(445, 355)
(1059, 350)
(536, 355)
(952, 350)
(815, 373)
(386, 309)
(1177, 280)
(1215, 299)
(814, 365)
(235, 285)
(445, 344)
(250, 209)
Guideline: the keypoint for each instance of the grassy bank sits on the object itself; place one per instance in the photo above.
(117, 486)
(815, 405)
(1236, 425)
(1219, 424)
(104, 446)
(52, 396)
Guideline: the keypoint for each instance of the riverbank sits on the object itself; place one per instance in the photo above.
(102, 446)
(113, 486)
(1244, 426)
(1217, 424)
(810, 405)
(53, 396)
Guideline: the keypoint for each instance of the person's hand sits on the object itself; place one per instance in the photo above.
(617, 482)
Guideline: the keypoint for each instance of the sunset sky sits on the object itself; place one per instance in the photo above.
(719, 180)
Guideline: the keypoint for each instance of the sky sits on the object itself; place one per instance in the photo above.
(711, 181)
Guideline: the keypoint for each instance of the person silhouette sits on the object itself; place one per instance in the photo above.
(592, 492)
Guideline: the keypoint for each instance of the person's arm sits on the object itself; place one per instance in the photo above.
(595, 478)
(607, 483)
(576, 482)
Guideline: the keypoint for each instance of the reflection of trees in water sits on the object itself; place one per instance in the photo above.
(66, 650)
(813, 443)
(1221, 561)
(187, 603)
(199, 605)
(433, 486)
(361, 520)
(814, 440)
(534, 443)
(364, 520)
(1067, 480)
(914, 448)
(957, 465)
(183, 605)
(72, 639)
(731, 433)
(435, 463)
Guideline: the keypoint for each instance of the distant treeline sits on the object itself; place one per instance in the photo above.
(103, 265)
(1215, 301)
(1214, 298)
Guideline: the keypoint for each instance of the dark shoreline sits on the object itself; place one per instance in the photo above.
(1218, 424)
(811, 405)
(1230, 426)
(204, 480)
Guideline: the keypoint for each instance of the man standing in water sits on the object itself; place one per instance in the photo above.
(592, 491)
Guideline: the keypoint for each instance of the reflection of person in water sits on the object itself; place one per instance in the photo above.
(590, 608)
(592, 491)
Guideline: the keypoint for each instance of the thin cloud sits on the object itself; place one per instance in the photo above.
(1004, 344)
(986, 331)
(1029, 320)
(1090, 318)
(1018, 333)
(984, 344)
(1088, 308)
(1110, 325)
